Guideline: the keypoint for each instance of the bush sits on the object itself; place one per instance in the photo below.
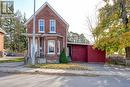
(117, 60)
(63, 58)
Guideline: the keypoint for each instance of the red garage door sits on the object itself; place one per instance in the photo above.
(95, 55)
(79, 53)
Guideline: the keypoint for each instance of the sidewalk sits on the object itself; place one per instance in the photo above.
(61, 72)
(20, 68)
(9, 57)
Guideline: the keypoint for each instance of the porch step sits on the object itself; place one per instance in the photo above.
(41, 60)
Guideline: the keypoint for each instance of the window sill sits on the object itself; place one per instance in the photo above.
(52, 32)
(41, 32)
(51, 53)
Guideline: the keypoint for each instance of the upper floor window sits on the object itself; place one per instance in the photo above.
(41, 25)
(52, 26)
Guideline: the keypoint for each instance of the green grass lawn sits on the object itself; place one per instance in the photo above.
(12, 60)
(70, 66)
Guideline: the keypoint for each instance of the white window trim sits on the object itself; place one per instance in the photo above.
(50, 26)
(54, 47)
(39, 25)
(58, 47)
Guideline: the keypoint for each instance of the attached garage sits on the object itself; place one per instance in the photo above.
(84, 53)
(78, 52)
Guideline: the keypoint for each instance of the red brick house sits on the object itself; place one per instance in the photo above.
(51, 38)
(1, 41)
(51, 32)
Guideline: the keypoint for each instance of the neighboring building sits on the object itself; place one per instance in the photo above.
(51, 32)
(76, 38)
(1, 42)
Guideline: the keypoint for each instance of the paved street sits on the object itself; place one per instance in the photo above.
(110, 77)
(36, 80)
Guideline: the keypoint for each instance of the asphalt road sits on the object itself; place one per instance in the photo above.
(36, 80)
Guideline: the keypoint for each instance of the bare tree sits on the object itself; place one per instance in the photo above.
(90, 27)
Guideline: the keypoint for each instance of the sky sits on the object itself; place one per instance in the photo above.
(75, 12)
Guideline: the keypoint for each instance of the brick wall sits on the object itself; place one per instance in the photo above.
(61, 29)
(1, 43)
(48, 14)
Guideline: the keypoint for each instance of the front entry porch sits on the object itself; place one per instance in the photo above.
(39, 49)
(47, 49)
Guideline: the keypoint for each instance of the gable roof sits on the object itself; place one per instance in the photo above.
(40, 9)
(2, 31)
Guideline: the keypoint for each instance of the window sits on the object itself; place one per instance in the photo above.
(51, 46)
(52, 26)
(58, 48)
(41, 25)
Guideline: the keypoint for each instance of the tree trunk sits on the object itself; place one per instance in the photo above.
(127, 50)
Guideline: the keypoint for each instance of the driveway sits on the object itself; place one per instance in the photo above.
(105, 67)
(12, 65)
(36, 80)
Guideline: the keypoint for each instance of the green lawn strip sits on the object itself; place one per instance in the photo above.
(12, 60)
(61, 66)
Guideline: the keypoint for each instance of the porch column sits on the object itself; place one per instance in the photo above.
(56, 46)
(63, 42)
(44, 46)
(30, 47)
(38, 47)
(28, 52)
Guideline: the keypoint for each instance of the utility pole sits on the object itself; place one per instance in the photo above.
(0, 15)
(125, 22)
(33, 35)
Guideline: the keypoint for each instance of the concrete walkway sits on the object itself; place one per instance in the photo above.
(99, 69)
(9, 57)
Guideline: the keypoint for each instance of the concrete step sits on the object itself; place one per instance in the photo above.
(41, 60)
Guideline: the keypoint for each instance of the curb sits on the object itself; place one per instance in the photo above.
(60, 74)
(21, 70)
(49, 73)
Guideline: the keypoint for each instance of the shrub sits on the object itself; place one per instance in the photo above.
(63, 58)
(117, 60)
